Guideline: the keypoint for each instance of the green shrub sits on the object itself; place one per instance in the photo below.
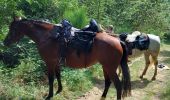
(77, 17)
(77, 80)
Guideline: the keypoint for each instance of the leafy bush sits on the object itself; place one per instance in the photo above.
(44, 9)
(10, 58)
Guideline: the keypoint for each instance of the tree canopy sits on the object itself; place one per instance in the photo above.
(151, 16)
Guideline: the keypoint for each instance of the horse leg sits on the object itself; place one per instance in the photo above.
(119, 71)
(51, 81)
(107, 83)
(155, 64)
(147, 63)
(58, 76)
(118, 86)
(114, 77)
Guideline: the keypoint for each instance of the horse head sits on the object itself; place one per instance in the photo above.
(37, 30)
(13, 35)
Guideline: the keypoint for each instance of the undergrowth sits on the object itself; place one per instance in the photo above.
(29, 80)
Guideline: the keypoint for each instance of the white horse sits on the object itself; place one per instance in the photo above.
(152, 51)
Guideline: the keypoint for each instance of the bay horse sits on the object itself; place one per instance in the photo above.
(106, 50)
(152, 51)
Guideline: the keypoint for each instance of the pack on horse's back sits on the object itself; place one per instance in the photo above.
(142, 42)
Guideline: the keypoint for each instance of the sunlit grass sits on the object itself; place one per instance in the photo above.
(165, 92)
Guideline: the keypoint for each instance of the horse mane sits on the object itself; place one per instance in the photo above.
(39, 23)
(113, 35)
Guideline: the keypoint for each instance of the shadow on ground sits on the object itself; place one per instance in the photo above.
(136, 84)
(140, 84)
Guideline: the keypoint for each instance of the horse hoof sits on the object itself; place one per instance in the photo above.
(58, 91)
(141, 77)
(102, 98)
(48, 98)
(153, 78)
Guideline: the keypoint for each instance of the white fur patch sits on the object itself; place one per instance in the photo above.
(132, 37)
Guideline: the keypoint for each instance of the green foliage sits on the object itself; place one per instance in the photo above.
(46, 9)
(97, 71)
(96, 8)
(77, 80)
(6, 8)
(10, 57)
(29, 72)
(145, 16)
(126, 16)
(77, 17)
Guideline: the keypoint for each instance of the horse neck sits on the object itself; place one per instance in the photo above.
(38, 35)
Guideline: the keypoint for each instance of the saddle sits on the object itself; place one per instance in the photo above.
(93, 26)
(79, 39)
(82, 41)
(142, 42)
(83, 38)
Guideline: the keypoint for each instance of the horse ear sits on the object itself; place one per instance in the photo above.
(17, 18)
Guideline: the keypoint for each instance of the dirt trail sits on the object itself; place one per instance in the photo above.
(141, 89)
(93, 94)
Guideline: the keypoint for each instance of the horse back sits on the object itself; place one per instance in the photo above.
(104, 49)
(154, 42)
(108, 48)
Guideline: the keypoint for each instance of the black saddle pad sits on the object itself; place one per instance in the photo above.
(82, 41)
(142, 42)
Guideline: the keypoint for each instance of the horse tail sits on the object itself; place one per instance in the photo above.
(126, 81)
